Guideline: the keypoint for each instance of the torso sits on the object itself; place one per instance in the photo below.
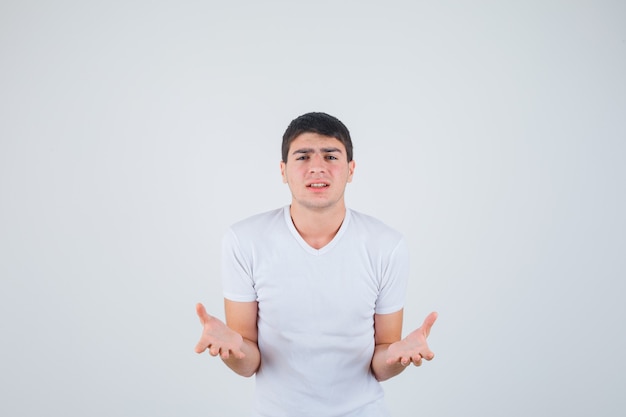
(316, 309)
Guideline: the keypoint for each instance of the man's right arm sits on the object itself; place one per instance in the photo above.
(235, 341)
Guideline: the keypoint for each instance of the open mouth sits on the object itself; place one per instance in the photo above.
(318, 185)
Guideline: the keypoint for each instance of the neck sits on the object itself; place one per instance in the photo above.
(317, 226)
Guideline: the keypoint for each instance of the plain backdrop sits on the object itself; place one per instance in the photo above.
(133, 133)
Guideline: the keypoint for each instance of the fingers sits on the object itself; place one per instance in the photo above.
(417, 361)
(407, 360)
(202, 314)
(428, 355)
(200, 347)
(228, 353)
(215, 350)
(225, 353)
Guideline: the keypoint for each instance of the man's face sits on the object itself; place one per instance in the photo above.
(317, 171)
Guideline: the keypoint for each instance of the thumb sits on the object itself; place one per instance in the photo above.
(428, 322)
(202, 314)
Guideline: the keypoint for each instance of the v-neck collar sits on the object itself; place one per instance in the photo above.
(310, 249)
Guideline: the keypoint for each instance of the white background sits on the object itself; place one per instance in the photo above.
(133, 133)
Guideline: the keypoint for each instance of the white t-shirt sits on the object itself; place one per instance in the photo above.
(316, 310)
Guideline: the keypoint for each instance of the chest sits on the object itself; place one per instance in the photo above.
(317, 294)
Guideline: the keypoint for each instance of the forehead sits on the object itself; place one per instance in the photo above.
(315, 141)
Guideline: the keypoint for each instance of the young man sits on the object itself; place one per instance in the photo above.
(314, 291)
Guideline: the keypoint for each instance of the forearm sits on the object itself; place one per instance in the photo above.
(380, 368)
(248, 365)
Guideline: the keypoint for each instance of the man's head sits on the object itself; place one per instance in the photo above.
(317, 162)
(320, 123)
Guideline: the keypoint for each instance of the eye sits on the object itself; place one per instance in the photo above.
(302, 158)
(331, 157)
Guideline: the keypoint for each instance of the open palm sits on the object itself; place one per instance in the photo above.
(414, 347)
(218, 338)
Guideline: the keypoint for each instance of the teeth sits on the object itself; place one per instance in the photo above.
(318, 185)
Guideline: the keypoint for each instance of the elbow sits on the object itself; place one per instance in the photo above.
(250, 371)
(247, 373)
(381, 378)
(380, 375)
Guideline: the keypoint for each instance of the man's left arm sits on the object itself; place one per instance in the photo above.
(392, 355)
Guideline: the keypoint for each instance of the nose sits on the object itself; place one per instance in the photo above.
(317, 163)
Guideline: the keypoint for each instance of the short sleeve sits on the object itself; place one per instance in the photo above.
(237, 281)
(394, 280)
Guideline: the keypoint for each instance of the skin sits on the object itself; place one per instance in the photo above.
(317, 213)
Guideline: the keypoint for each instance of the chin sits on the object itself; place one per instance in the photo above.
(317, 205)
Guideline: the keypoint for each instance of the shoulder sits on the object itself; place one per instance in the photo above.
(259, 222)
(383, 244)
(256, 234)
(372, 227)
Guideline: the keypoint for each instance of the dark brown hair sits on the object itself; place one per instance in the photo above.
(320, 123)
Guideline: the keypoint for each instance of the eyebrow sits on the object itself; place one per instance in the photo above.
(311, 150)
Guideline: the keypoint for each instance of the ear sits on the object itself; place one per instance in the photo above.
(283, 172)
(351, 166)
